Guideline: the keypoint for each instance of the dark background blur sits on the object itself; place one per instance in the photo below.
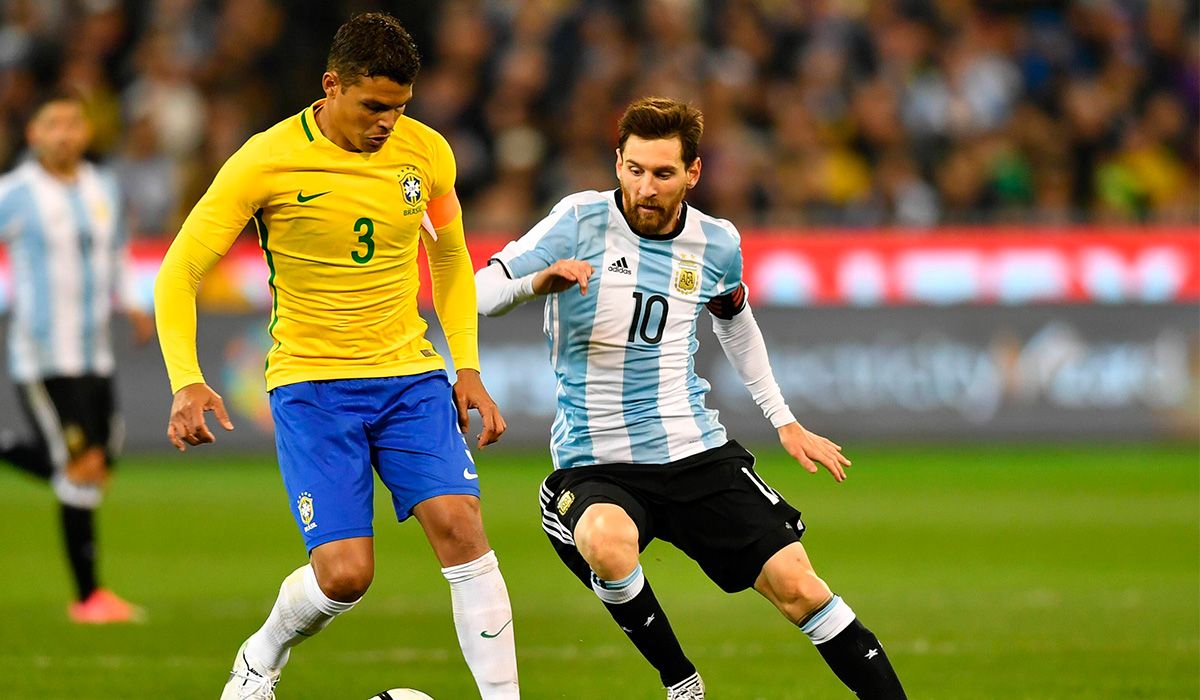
(834, 113)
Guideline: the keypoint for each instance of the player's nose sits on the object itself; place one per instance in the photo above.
(387, 121)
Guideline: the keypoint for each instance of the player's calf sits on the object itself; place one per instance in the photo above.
(301, 610)
(636, 609)
(851, 650)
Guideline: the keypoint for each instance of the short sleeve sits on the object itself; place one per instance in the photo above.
(731, 279)
(553, 238)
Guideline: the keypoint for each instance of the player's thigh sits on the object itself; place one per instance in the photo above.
(732, 522)
(324, 457)
(416, 444)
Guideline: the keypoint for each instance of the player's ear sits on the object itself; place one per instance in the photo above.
(620, 159)
(329, 84)
(693, 173)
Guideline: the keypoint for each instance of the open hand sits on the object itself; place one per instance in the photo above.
(563, 275)
(809, 449)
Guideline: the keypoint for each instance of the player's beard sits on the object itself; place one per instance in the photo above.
(649, 222)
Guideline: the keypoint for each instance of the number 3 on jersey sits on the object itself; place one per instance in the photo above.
(640, 326)
(364, 258)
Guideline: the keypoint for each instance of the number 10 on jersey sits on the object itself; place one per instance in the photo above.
(643, 309)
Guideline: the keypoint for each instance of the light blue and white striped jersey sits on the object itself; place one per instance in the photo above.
(69, 262)
(623, 353)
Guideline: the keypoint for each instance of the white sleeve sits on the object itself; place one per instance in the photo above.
(496, 294)
(743, 344)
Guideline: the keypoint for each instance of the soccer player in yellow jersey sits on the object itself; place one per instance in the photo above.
(341, 193)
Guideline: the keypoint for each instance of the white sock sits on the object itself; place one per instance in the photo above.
(483, 620)
(300, 611)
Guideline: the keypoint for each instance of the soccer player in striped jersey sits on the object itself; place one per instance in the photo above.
(68, 252)
(637, 454)
(342, 194)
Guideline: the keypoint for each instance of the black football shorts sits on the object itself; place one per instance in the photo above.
(75, 412)
(713, 506)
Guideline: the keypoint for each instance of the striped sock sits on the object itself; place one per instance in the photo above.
(632, 603)
(852, 652)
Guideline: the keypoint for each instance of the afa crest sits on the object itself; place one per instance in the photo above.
(686, 279)
(565, 501)
(305, 505)
(410, 186)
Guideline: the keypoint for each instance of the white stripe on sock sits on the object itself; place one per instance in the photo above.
(829, 621)
(623, 591)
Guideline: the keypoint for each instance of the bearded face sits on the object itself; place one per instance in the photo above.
(654, 180)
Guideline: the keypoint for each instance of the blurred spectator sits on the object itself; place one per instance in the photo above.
(830, 112)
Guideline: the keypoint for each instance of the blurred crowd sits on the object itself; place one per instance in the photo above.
(818, 112)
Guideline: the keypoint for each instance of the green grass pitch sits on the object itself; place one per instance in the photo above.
(989, 572)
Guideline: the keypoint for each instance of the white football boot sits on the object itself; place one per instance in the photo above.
(251, 681)
(690, 688)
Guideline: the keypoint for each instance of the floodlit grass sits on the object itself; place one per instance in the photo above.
(988, 572)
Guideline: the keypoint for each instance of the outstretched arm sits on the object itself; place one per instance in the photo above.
(742, 341)
(498, 294)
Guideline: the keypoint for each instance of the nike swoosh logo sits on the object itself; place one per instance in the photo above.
(468, 475)
(485, 635)
(302, 199)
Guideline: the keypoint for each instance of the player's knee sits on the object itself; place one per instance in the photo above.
(346, 579)
(89, 467)
(606, 539)
(460, 542)
(454, 527)
(800, 594)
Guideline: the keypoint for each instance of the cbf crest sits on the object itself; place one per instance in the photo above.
(304, 504)
(411, 185)
(685, 278)
(412, 189)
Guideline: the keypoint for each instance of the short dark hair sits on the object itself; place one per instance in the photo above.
(60, 93)
(373, 44)
(663, 118)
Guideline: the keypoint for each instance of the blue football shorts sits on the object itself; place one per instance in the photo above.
(330, 435)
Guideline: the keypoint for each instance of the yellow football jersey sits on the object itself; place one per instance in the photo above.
(340, 232)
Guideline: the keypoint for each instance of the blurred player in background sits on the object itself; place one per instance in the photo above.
(341, 194)
(62, 220)
(636, 453)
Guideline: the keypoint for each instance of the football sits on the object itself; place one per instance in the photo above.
(400, 694)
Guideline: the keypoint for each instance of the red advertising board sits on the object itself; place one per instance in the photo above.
(866, 268)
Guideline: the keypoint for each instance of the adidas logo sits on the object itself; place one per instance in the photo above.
(620, 266)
